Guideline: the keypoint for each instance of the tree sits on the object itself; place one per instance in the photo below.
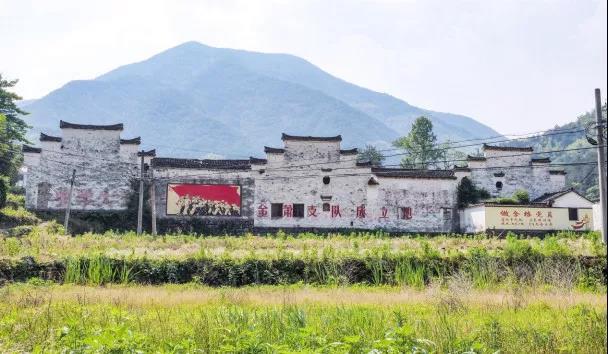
(420, 143)
(469, 194)
(371, 154)
(12, 129)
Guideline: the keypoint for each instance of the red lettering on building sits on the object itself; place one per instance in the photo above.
(288, 211)
(262, 210)
(312, 211)
(361, 211)
(335, 211)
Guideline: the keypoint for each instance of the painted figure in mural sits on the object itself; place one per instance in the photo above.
(204, 200)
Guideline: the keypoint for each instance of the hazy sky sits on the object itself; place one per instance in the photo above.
(517, 66)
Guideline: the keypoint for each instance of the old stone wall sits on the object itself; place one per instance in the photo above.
(103, 176)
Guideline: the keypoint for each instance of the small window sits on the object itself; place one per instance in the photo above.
(405, 213)
(276, 210)
(298, 210)
(326, 180)
(573, 214)
(499, 185)
(326, 207)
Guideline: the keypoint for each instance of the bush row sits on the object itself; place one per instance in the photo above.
(563, 271)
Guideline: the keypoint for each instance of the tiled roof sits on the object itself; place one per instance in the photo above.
(257, 161)
(549, 198)
(66, 125)
(366, 163)
(557, 172)
(412, 173)
(506, 148)
(461, 169)
(134, 141)
(44, 137)
(201, 164)
(31, 149)
(311, 138)
(541, 160)
(349, 152)
(147, 153)
(272, 150)
(475, 158)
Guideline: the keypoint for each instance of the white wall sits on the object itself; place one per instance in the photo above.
(572, 200)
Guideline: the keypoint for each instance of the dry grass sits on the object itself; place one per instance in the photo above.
(189, 295)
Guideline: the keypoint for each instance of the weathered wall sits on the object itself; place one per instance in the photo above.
(536, 178)
(103, 176)
(296, 177)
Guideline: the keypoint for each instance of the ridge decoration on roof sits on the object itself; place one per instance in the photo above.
(353, 151)
(475, 158)
(557, 172)
(257, 161)
(271, 150)
(310, 138)
(67, 125)
(147, 153)
(30, 149)
(44, 137)
(201, 164)
(412, 173)
(506, 148)
(541, 160)
(134, 141)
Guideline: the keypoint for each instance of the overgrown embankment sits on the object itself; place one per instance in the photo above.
(564, 261)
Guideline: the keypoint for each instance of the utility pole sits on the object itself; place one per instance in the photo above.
(69, 206)
(153, 201)
(601, 160)
(140, 208)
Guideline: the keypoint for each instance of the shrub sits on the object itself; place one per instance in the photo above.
(522, 196)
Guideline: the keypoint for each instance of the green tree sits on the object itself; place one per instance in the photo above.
(16, 128)
(13, 129)
(469, 194)
(371, 154)
(420, 144)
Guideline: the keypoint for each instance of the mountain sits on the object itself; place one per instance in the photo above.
(193, 100)
(572, 147)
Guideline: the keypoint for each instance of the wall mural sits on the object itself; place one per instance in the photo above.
(204, 199)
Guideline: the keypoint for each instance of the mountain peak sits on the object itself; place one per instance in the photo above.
(195, 99)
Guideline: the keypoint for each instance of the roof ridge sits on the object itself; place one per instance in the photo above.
(68, 125)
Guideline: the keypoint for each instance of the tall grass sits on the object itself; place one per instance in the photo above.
(34, 322)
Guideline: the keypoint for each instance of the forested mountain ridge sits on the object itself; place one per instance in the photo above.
(193, 99)
(566, 137)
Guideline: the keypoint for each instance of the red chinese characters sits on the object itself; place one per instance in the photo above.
(312, 211)
(262, 210)
(504, 213)
(361, 212)
(335, 211)
(383, 213)
(288, 211)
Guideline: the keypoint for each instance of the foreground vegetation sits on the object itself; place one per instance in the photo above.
(565, 261)
(190, 318)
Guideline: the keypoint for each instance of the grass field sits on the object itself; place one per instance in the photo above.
(336, 293)
(274, 319)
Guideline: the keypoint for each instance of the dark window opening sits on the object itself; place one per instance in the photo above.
(298, 210)
(326, 207)
(276, 210)
(326, 180)
(499, 185)
(572, 214)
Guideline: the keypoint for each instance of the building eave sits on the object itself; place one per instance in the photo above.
(67, 125)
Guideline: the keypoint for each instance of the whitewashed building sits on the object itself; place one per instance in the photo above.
(504, 169)
(104, 163)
